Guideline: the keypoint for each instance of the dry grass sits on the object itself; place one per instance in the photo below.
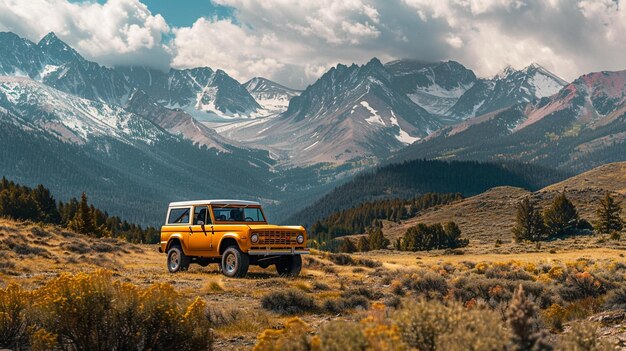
(339, 292)
(490, 216)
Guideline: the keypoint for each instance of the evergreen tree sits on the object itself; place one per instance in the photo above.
(46, 205)
(376, 239)
(363, 245)
(453, 236)
(529, 223)
(561, 218)
(83, 219)
(609, 215)
(347, 246)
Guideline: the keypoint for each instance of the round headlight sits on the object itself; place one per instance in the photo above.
(300, 239)
(254, 238)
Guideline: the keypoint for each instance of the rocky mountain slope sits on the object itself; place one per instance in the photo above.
(350, 113)
(582, 126)
(273, 97)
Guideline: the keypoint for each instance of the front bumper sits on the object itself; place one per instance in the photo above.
(278, 252)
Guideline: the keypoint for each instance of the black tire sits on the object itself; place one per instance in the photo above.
(234, 262)
(177, 261)
(289, 266)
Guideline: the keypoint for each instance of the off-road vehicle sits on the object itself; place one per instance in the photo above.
(232, 233)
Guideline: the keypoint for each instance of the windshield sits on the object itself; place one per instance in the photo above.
(238, 214)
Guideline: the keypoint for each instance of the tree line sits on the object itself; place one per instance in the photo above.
(561, 218)
(38, 205)
(420, 237)
(417, 177)
(358, 219)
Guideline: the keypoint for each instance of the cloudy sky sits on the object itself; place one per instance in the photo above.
(294, 42)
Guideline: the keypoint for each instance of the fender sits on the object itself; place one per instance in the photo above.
(230, 235)
(171, 238)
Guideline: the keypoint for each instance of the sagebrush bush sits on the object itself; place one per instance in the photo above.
(374, 332)
(93, 312)
(343, 336)
(616, 299)
(13, 319)
(363, 291)
(579, 285)
(584, 336)
(429, 284)
(432, 325)
(288, 302)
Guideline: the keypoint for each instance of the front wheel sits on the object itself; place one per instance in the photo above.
(177, 261)
(234, 262)
(289, 266)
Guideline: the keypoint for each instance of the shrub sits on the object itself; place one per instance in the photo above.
(341, 259)
(616, 299)
(579, 285)
(13, 322)
(555, 316)
(294, 337)
(77, 247)
(288, 302)
(431, 325)
(523, 323)
(584, 336)
(100, 314)
(93, 312)
(340, 305)
(363, 291)
(428, 284)
(342, 335)
(368, 262)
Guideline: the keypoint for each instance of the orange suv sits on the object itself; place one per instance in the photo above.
(232, 233)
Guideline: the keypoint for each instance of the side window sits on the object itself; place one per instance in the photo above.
(179, 216)
(201, 215)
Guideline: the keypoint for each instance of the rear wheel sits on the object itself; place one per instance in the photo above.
(177, 261)
(234, 262)
(289, 266)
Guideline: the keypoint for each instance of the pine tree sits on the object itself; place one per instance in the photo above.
(376, 239)
(453, 236)
(529, 223)
(83, 220)
(347, 246)
(561, 218)
(46, 205)
(609, 215)
(363, 245)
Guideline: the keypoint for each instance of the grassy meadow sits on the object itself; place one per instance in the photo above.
(62, 290)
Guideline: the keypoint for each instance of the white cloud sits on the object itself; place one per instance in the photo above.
(295, 41)
(117, 32)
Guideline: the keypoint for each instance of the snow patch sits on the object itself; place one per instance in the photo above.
(544, 85)
(310, 146)
(375, 117)
(402, 136)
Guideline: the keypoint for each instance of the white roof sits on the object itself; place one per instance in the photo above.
(214, 202)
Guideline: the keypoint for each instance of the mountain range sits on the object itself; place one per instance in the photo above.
(183, 132)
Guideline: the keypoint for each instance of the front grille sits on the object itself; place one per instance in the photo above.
(275, 237)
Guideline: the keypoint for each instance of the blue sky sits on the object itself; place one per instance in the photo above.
(183, 12)
(295, 41)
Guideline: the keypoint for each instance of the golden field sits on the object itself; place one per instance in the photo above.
(365, 291)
